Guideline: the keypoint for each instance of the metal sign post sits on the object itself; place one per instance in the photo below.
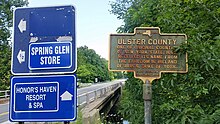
(147, 53)
(147, 96)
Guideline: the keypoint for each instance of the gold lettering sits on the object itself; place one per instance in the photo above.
(171, 61)
(128, 51)
(141, 51)
(129, 47)
(170, 66)
(164, 47)
(120, 41)
(124, 42)
(165, 42)
(169, 52)
(153, 61)
(122, 60)
(154, 41)
(174, 41)
(129, 41)
(147, 66)
(162, 41)
(156, 56)
(144, 47)
(129, 65)
(160, 61)
(135, 41)
(138, 61)
(150, 41)
(143, 41)
(157, 66)
(121, 46)
(118, 65)
(171, 56)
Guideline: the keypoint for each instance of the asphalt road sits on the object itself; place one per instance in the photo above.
(4, 112)
(5, 107)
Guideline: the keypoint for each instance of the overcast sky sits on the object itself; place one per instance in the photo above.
(94, 22)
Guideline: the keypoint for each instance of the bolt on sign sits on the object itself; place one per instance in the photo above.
(147, 53)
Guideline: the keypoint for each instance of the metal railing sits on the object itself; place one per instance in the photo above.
(4, 94)
(86, 98)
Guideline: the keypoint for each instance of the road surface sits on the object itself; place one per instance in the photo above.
(5, 107)
(4, 112)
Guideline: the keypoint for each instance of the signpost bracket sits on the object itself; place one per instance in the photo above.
(66, 122)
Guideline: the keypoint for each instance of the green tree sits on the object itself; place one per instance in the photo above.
(179, 98)
(91, 66)
(6, 16)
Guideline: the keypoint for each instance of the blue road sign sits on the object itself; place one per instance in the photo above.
(43, 98)
(50, 55)
(44, 41)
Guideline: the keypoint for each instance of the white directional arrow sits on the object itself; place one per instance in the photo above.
(66, 96)
(22, 25)
(21, 56)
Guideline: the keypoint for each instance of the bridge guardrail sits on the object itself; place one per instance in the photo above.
(83, 99)
(4, 94)
(86, 98)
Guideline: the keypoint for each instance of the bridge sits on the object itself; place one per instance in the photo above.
(99, 101)
(91, 101)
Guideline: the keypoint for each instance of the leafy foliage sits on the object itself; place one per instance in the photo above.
(179, 98)
(5, 36)
(131, 105)
(91, 66)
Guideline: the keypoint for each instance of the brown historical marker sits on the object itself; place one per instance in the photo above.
(147, 53)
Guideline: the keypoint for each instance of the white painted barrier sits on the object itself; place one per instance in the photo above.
(4, 94)
(86, 98)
